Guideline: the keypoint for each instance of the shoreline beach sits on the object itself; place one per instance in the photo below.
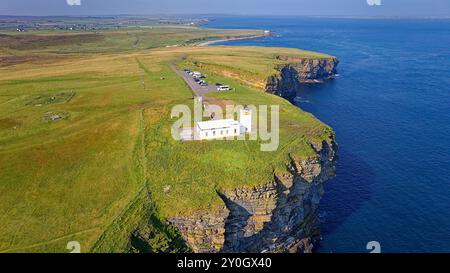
(231, 39)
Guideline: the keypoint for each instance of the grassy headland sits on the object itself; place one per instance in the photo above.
(99, 171)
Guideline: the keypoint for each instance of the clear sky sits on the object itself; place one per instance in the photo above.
(243, 7)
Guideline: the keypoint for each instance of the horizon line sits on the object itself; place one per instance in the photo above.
(242, 14)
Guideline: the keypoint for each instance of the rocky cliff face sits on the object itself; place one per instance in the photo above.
(280, 216)
(298, 71)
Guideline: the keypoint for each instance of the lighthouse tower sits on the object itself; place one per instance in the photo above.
(246, 120)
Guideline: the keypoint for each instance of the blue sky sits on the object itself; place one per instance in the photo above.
(248, 7)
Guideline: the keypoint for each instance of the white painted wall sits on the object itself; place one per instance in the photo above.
(231, 131)
(245, 117)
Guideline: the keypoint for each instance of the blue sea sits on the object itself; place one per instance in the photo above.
(390, 108)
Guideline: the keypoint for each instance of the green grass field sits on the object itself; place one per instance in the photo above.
(98, 175)
(112, 41)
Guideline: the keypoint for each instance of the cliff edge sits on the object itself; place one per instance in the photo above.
(281, 216)
(298, 71)
(239, 199)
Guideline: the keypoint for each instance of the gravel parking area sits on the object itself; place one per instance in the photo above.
(197, 88)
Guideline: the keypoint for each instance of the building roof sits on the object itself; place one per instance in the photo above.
(217, 124)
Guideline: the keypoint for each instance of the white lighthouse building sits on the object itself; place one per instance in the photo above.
(215, 129)
(245, 117)
(223, 128)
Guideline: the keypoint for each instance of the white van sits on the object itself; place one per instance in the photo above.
(197, 75)
(223, 88)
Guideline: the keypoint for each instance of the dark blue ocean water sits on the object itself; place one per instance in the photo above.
(390, 108)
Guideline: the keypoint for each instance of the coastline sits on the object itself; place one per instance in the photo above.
(218, 229)
(230, 39)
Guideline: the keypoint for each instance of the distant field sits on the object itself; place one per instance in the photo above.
(96, 173)
(92, 23)
(73, 42)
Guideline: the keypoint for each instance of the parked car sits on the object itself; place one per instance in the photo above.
(196, 74)
(187, 71)
(223, 88)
